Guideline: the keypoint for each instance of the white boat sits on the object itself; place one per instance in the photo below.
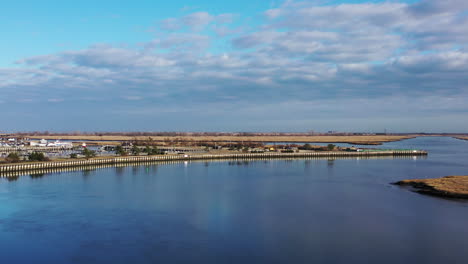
(59, 144)
(41, 143)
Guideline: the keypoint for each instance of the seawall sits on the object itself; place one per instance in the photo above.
(23, 167)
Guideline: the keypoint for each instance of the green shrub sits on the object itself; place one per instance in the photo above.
(156, 151)
(147, 150)
(136, 150)
(119, 150)
(307, 146)
(13, 157)
(37, 156)
(89, 153)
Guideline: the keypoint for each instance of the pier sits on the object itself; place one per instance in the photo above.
(25, 167)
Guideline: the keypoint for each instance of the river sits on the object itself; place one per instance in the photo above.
(275, 211)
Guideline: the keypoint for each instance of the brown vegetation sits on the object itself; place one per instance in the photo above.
(449, 186)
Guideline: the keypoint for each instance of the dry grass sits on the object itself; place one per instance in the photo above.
(449, 186)
(322, 139)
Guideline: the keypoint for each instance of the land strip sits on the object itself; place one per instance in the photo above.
(449, 186)
(116, 160)
(109, 139)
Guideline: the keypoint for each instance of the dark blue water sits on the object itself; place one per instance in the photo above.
(277, 211)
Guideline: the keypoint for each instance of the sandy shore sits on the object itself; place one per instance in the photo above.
(449, 186)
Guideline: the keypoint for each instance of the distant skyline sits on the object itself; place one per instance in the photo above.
(235, 66)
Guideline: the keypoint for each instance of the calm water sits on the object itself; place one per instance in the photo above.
(278, 211)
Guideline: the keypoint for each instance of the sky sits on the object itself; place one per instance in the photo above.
(147, 65)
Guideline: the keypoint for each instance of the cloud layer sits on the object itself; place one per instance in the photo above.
(299, 66)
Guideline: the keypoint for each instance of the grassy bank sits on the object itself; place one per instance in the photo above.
(449, 186)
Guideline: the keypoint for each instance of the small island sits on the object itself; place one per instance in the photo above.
(449, 186)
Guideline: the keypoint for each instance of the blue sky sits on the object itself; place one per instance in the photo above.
(234, 66)
(55, 26)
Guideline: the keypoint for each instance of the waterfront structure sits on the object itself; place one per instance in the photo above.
(135, 159)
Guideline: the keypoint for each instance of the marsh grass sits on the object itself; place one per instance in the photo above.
(449, 186)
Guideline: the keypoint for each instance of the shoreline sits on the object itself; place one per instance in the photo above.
(446, 187)
(109, 139)
(40, 172)
(26, 166)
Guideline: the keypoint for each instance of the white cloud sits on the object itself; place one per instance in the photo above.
(196, 21)
(133, 98)
(55, 100)
(302, 55)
